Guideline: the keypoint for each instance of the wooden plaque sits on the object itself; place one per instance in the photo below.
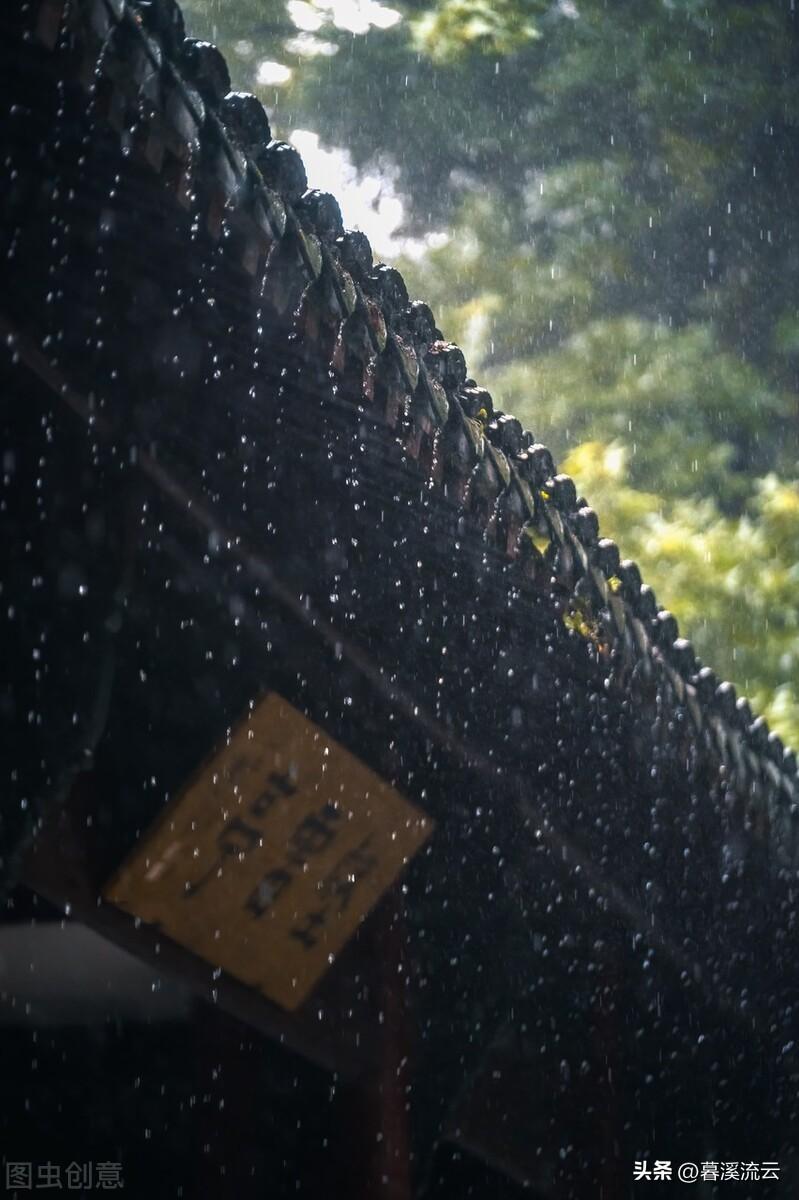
(272, 855)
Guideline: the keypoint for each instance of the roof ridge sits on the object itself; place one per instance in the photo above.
(256, 188)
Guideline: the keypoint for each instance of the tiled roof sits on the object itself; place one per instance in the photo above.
(213, 148)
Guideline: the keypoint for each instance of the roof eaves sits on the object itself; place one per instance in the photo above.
(484, 458)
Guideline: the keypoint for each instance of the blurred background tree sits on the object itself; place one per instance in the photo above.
(618, 252)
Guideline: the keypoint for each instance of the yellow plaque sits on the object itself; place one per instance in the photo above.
(272, 855)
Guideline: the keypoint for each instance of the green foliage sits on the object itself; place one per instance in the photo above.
(456, 27)
(687, 410)
(731, 581)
